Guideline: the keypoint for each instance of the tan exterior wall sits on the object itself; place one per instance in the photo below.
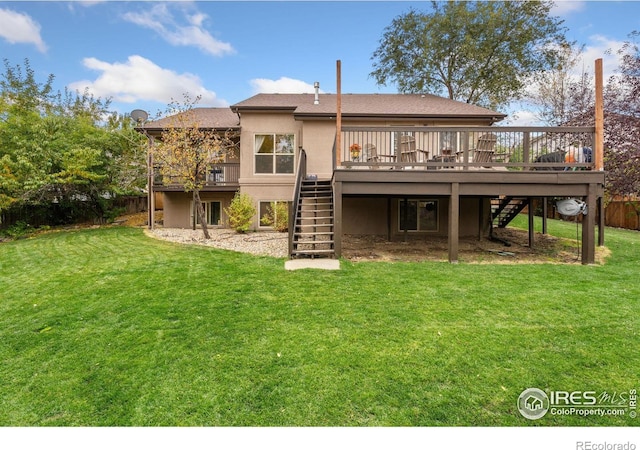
(319, 138)
(269, 193)
(177, 207)
(253, 124)
(365, 215)
(369, 216)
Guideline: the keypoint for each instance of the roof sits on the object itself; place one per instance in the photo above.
(367, 105)
(215, 118)
(388, 106)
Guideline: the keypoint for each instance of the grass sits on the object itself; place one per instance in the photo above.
(107, 327)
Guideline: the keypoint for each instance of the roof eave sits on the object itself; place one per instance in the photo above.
(331, 116)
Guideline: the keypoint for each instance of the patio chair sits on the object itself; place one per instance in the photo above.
(409, 152)
(484, 148)
(372, 155)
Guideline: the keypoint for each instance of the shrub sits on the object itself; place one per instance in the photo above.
(241, 212)
(18, 230)
(277, 216)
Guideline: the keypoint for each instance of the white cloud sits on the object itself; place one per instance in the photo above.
(601, 47)
(139, 79)
(18, 28)
(565, 8)
(192, 33)
(520, 118)
(283, 85)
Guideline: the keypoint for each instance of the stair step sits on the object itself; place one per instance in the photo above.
(313, 226)
(315, 196)
(305, 214)
(314, 242)
(326, 187)
(307, 252)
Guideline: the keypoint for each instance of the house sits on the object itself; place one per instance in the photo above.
(222, 178)
(400, 165)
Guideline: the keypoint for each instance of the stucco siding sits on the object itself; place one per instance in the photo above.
(177, 212)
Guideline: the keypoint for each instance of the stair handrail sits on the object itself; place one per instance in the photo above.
(301, 174)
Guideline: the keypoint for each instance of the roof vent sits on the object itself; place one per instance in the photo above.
(316, 86)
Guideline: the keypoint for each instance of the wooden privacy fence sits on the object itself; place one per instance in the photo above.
(132, 204)
(621, 214)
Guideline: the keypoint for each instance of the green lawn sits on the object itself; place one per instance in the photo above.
(110, 327)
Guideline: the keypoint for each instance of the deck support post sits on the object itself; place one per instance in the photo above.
(454, 222)
(545, 213)
(601, 221)
(480, 218)
(389, 219)
(405, 217)
(531, 215)
(588, 228)
(337, 219)
(151, 199)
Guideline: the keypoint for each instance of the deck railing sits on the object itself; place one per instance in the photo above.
(465, 148)
(222, 174)
(301, 174)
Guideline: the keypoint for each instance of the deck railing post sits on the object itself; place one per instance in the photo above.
(526, 146)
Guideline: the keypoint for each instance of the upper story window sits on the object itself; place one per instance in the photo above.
(274, 153)
(448, 142)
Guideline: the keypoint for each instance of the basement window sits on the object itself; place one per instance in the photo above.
(264, 208)
(212, 212)
(418, 215)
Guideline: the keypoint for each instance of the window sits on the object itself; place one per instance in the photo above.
(448, 142)
(418, 215)
(212, 212)
(264, 209)
(274, 153)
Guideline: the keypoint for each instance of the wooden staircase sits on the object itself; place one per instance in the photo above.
(505, 209)
(313, 222)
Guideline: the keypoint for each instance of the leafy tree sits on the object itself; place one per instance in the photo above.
(622, 127)
(21, 91)
(186, 150)
(56, 153)
(475, 52)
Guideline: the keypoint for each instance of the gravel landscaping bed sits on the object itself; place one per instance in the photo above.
(267, 243)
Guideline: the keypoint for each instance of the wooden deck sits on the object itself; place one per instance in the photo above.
(456, 162)
(473, 183)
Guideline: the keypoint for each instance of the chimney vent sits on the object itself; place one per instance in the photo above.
(316, 86)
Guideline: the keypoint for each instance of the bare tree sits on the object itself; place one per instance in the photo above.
(186, 151)
(558, 95)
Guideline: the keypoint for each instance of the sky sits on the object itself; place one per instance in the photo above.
(143, 55)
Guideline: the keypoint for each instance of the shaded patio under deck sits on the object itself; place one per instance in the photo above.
(455, 184)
